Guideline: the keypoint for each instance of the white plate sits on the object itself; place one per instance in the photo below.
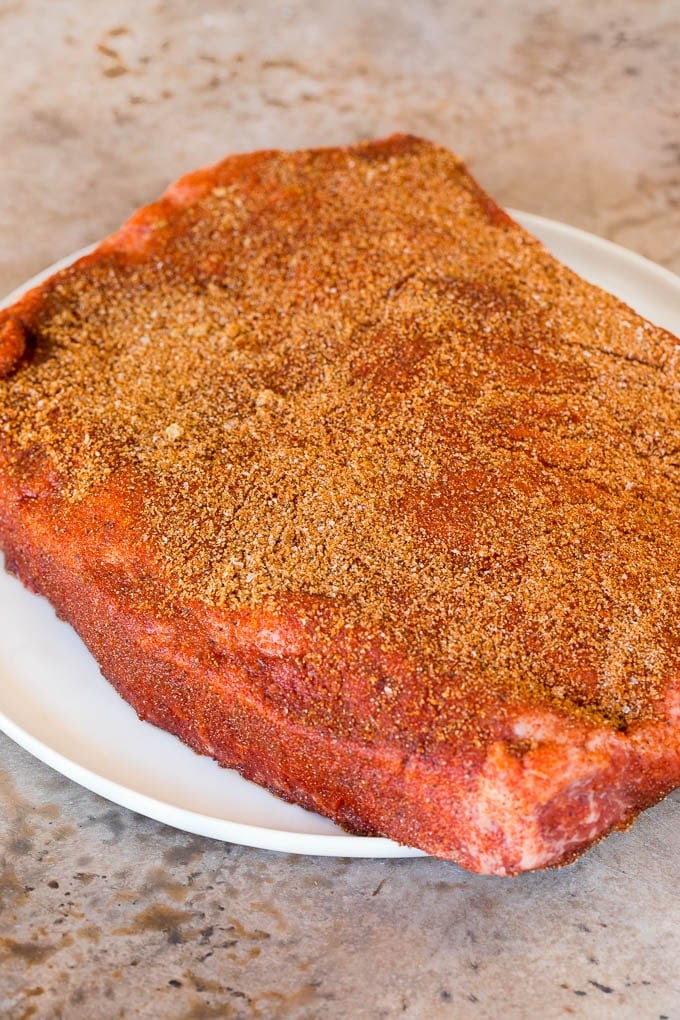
(55, 703)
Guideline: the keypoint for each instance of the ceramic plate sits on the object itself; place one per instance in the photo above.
(55, 703)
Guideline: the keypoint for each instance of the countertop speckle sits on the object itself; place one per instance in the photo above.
(567, 110)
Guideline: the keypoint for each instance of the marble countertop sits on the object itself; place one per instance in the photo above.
(568, 110)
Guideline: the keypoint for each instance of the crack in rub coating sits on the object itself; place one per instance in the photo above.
(348, 483)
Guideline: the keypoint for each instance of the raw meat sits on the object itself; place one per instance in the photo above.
(351, 485)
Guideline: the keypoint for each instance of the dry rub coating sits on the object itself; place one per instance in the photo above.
(350, 484)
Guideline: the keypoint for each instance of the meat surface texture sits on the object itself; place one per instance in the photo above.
(347, 482)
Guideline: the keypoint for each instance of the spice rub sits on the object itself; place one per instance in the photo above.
(381, 501)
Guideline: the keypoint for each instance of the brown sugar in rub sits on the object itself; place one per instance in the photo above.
(347, 482)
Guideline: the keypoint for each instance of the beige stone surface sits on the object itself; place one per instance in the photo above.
(570, 110)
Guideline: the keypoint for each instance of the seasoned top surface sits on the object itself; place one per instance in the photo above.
(345, 378)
